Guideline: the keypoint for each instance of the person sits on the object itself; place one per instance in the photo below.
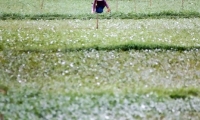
(98, 6)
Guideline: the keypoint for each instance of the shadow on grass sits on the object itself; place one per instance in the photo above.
(183, 94)
(115, 15)
(125, 47)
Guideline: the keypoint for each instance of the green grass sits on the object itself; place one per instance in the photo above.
(76, 9)
(117, 15)
(94, 83)
(73, 35)
(132, 67)
(81, 7)
(125, 69)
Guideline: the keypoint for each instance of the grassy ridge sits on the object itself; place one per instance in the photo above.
(117, 15)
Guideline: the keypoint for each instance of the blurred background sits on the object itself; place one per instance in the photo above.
(84, 6)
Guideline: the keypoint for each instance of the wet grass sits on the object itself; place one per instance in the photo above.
(127, 69)
(52, 68)
(76, 35)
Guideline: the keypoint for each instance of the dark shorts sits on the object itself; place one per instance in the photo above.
(99, 9)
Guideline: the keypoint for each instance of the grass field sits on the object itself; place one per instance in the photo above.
(83, 7)
(127, 69)
(112, 34)
(74, 9)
